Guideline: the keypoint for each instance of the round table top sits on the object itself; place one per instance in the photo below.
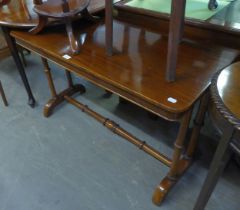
(54, 8)
(225, 91)
(19, 13)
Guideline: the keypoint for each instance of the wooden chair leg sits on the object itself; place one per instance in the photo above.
(176, 28)
(3, 95)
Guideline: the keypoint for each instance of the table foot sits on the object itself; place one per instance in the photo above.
(52, 103)
(168, 183)
(31, 102)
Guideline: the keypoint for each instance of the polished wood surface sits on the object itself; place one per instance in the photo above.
(20, 13)
(138, 68)
(228, 84)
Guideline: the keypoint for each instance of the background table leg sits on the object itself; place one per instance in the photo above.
(13, 49)
(3, 95)
(219, 162)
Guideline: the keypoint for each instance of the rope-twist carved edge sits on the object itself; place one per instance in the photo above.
(220, 105)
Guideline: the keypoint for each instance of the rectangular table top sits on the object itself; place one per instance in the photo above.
(137, 70)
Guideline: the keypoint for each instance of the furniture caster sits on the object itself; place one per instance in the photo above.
(212, 5)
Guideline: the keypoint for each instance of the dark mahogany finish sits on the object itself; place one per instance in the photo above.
(143, 65)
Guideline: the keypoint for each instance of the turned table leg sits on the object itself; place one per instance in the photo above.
(180, 161)
(13, 49)
(178, 165)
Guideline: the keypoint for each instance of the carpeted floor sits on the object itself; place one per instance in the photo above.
(71, 162)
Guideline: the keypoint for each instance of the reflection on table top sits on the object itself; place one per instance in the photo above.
(19, 13)
(137, 69)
